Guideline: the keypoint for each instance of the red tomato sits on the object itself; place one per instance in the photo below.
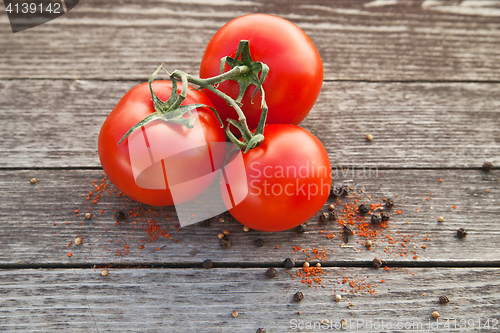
(148, 163)
(288, 179)
(295, 76)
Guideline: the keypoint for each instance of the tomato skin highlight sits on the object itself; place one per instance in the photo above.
(132, 108)
(296, 70)
(288, 179)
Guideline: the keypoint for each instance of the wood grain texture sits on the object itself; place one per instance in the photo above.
(358, 40)
(39, 224)
(197, 300)
(47, 123)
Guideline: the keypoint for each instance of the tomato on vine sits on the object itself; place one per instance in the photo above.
(287, 177)
(295, 69)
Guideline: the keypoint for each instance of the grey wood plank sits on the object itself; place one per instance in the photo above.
(358, 40)
(40, 222)
(194, 300)
(55, 123)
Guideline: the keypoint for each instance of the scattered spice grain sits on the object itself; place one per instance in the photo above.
(487, 166)
(119, 215)
(338, 298)
(440, 219)
(363, 209)
(377, 263)
(259, 242)
(333, 216)
(207, 264)
(348, 230)
(260, 330)
(246, 229)
(385, 217)
(369, 137)
(88, 216)
(104, 272)
(271, 273)
(78, 241)
(289, 263)
(444, 299)
(389, 203)
(33, 180)
(323, 217)
(332, 207)
(225, 243)
(220, 235)
(435, 314)
(298, 296)
(306, 265)
(461, 233)
(225, 232)
(368, 244)
(376, 219)
(234, 313)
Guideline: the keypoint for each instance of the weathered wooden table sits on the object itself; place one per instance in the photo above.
(423, 77)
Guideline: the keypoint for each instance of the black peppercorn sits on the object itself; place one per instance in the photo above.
(348, 230)
(487, 166)
(444, 299)
(259, 242)
(120, 216)
(334, 191)
(332, 216)
(261, 330)
(389, 202)
(385, 217)
(376, 219)
(323, 217)
(207, 264)
(363, 209)
(301, 228)
(271, 273)
(289, 263)
(298, 296)
(461, 233)
(225, 243)
(345, 189)
(377, 263)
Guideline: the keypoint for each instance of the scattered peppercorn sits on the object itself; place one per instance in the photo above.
(225, 232)
(444, 299)
(335, 191)
(261, 330)
(345, 190)
(318, 265)
(440, 219)
(301, 228)
(289, 263)
(389, 203)
(271, 273)
(323, 217)
(435, 315)
(246, 229)
(220, 235)
(376, 219)
(33, 180)
(78, 241)
(461, 233)
(104, 272)
(306, 265)
(348, 230)
(119, 215)
(385, 217)
(363, 209)
(88, 216)
(487, 166)
(234, 313)
(259, 242)
(368, 244)
(332, 207)
(298, 296)
(377, 263)
(333, 216)
(207, 264)
(338, 298)
(369, 137)
(225, 243)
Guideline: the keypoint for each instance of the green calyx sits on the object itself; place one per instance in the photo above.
(170, 111)
(243, 70)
